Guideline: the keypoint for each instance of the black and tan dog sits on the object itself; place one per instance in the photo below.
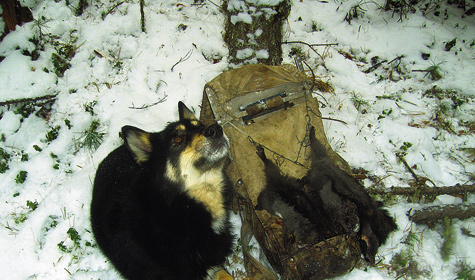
(159, 206)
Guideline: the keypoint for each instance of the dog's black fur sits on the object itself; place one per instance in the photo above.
(159, 202)
(329, 198)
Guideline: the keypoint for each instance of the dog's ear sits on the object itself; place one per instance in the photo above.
(138, 142)
(185, 113)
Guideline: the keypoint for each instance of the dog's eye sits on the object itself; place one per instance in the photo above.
(177, 139)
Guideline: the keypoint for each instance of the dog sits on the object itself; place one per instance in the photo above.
(329, 198)
(160, 202)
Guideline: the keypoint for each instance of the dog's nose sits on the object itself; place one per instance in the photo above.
(214, 131)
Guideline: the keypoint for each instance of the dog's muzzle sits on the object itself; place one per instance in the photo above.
(217, 144)
(214, 131)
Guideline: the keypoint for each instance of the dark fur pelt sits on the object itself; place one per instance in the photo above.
(333, 201)
(146, 218)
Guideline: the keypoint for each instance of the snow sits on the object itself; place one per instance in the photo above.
(117, 69)
(21, 78)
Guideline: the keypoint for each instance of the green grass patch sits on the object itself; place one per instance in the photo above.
(91, 139)
(21, 177)
(52, 134)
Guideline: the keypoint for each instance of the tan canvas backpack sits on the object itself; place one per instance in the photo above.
(273, 106)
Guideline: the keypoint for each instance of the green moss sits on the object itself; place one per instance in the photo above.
(3, 166)
(89, 107)
(60, 64)
(465, 271)
(32, 205)
(24, 156)
(4, 155)
(74, 236)
(449, 239)
(37, 148)
(20, 218)
(52, 134)
(21, 177)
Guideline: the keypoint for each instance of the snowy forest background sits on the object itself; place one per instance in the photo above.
(402, 85)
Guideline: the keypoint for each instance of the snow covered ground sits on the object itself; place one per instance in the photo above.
(48, 159)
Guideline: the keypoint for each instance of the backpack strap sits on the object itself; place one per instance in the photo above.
(254, 269)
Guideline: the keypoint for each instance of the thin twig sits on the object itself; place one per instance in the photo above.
(182, 59)
(142, 15)
(304, 43)
(311, 45)
(397, 58)
(145, 106)
(408, 167)
(328, 118)
(335, 120)
(112, 9)
(219, 7)
(313, 77)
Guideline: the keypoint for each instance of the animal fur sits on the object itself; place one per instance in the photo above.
(283, 197)
(159, 206)
(333, 201)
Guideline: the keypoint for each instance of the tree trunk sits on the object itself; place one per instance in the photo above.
(14, 14)
(432, 191)
(253, 32)
(434, 214)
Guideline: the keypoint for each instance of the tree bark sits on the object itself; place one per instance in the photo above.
(253, 32)
(431, 215)
(14, 14)
(432, 191)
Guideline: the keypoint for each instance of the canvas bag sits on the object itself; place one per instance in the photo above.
(272, 106)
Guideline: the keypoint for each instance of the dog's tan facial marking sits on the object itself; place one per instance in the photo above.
(203, 186)
(203, 183)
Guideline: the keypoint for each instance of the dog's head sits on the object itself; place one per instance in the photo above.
(187, 148)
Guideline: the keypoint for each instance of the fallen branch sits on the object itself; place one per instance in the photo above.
(145, 106)
(46, 98)
(432, 191)
(430, 215)
(375, 66)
